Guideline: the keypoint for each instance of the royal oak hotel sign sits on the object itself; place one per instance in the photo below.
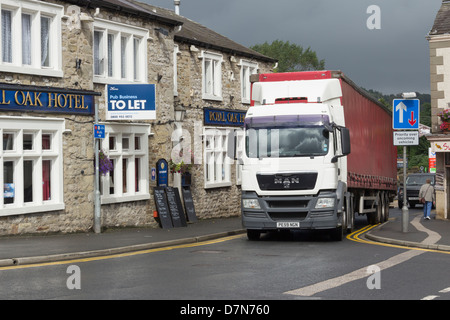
(223, 117)
(56, 100)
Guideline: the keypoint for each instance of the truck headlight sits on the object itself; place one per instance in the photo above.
(251, 204)
(325, 203)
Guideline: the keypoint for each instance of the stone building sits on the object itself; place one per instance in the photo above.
(61, 61)
(439, 42)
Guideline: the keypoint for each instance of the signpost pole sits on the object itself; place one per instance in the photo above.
(399, 122)
(405, 212)
(97, 205)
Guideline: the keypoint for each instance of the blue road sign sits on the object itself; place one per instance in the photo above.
(406, 114)
(99, 131)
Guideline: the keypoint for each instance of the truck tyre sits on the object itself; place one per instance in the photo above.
(350, 213)
(386, 206)
(338, 233)
(382, 205)
(253, 235)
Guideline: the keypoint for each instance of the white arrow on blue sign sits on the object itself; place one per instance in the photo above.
(406, 114)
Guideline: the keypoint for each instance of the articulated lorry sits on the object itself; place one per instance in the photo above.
(318, 150)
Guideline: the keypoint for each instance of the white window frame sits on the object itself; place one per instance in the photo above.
(176, 51)
(118, 154)
(240, 136)
(36, 10)
(129, 53)
(217, 163)
(35, 127)
(211, 76)
(247, 68)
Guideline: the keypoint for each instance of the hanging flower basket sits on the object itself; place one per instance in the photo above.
(105, 164)
(445, 126)
(445, 118)
(181, 167)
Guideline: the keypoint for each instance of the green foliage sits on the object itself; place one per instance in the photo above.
(290, 56)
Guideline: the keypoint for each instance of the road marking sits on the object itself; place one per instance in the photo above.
(121, 255)
(445, 290)
(311, 290)
(352, 276)
(429, 298)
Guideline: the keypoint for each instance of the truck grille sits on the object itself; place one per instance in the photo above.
(287, 216)
(294, 181)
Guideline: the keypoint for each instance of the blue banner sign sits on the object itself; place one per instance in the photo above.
(46, 101)
(221, 117)
(162, 173)
(131, 101)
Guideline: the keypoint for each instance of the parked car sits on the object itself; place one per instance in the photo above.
(413, 183)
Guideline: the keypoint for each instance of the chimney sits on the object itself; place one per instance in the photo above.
(177, 6)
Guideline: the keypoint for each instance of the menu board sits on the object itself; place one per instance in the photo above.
(175, 207)
(189, 204)
(165, 219)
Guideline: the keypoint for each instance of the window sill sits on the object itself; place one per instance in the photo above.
(11, 210)
(47, 72)
(125, 198)
(211, 97)
(212, 185)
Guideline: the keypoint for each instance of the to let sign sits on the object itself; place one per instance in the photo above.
(131, 101)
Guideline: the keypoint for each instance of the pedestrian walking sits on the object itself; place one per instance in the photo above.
(427, 197)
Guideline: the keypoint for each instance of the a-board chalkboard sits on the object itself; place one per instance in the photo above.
(189, 204)
(162, 207)
(175, 207)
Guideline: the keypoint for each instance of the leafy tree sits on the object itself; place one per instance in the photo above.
(290, 56)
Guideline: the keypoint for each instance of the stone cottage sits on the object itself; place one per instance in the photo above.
(132, 65)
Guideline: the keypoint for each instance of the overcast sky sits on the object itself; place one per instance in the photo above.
(392, 59)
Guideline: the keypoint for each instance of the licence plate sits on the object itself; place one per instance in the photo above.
(288, 224)
(413, 198)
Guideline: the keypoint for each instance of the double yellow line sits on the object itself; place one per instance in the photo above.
(355, 236)
(122, 255)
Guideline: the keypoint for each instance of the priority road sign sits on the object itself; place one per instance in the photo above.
(406, 114)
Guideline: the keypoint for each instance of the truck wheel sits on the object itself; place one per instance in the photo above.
(253, 234)
(337, 234)
(350, 214)
(386, 210)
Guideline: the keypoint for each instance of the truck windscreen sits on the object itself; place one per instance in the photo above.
(287, 136)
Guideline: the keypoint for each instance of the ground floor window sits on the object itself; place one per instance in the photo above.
(218, 158)
(31, 165)
(126, 145)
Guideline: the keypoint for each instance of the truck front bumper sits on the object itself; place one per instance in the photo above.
(289, 212)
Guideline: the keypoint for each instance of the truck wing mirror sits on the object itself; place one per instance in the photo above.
(345, 144)
(345, 135)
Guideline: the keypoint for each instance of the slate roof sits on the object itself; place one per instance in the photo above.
(442, 21)
(197, 34)
(191, 32)
(128, 7)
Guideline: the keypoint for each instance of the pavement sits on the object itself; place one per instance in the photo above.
(33, 249)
